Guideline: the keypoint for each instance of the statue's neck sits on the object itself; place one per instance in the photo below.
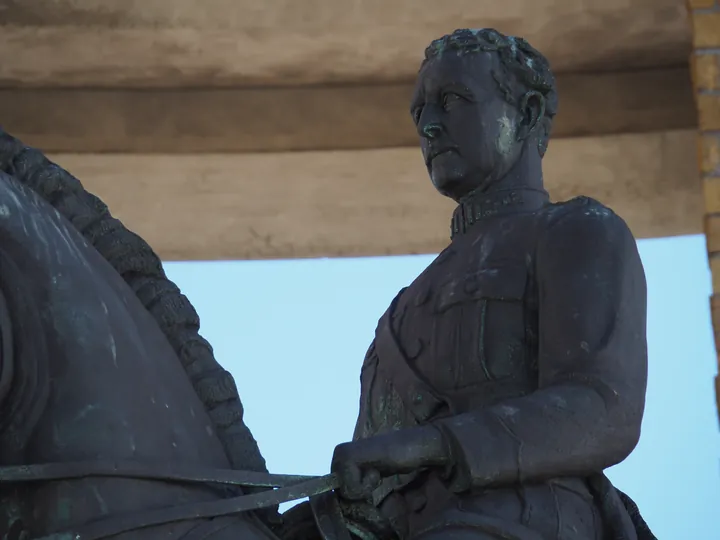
(520, 190)
(479, 206)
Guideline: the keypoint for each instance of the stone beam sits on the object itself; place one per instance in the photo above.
(367, 202)
(171, 43)
(313, 118)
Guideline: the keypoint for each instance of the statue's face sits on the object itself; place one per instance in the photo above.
(468, 132)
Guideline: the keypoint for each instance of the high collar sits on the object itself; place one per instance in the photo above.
(477, 207)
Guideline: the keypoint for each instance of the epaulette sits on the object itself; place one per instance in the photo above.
(576, 206)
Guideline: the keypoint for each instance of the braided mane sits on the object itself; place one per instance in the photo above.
(142, 270)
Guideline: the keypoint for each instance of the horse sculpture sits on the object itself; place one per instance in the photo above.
(116, 420)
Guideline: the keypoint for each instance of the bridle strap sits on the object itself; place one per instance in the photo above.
(200, 510)
(289, 488)
(45, 472)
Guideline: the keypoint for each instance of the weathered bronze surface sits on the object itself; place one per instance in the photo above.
(500, 384)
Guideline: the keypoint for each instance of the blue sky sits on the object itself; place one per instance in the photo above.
(294, 333)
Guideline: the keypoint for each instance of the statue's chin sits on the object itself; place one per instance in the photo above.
(453, 187)
(448, 175)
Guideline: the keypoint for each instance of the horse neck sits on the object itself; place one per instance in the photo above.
(107, 384)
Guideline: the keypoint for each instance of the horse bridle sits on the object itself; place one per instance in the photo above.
(281, 488)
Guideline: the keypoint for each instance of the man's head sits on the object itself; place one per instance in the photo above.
(482, 100)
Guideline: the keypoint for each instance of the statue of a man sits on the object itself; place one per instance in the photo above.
(512, 371)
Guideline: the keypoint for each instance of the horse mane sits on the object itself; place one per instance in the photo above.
(142, 270)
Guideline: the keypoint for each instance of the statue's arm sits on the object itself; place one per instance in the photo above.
(587, 413)
(363, 426)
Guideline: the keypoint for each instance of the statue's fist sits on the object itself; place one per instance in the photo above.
(353, 464)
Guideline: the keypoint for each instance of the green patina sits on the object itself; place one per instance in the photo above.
(506, 136)
(101, 502)
(12, 515)
(456, 43)
(64, 508)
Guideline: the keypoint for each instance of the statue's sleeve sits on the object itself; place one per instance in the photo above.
(363, 426)
(592, 363)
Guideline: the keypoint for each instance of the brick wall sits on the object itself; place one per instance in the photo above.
(705, 61)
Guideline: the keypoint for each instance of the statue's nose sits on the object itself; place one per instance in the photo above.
(432, 130)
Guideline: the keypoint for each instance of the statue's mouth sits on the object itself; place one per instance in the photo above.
(440, 151)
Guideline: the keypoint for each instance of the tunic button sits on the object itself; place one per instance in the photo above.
(417, 398)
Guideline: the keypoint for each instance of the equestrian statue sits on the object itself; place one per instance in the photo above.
(499, 386)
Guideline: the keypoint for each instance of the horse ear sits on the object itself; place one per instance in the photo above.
(532, 111)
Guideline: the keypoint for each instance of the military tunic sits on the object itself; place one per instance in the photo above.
(524, 341)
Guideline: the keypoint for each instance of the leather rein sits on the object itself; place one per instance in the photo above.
(281, 488)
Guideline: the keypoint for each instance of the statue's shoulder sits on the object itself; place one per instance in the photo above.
(583, 218)
(580, 210)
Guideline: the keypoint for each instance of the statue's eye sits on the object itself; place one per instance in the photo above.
(416, 112)
(450, 99)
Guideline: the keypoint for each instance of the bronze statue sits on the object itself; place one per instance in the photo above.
(512, 371)
(499, 386)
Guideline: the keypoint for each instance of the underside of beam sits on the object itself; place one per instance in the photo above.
(313, 118)
(367, 202)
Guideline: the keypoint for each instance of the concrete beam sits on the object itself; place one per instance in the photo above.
(313, 118)
(171, 43)
(367, 202)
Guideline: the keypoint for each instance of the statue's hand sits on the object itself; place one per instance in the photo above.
(354, 464)
(362, 464)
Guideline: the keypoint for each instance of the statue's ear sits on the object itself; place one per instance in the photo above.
(532, 110)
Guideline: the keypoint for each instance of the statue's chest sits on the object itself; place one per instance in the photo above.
(465, 322)
(463, 335)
